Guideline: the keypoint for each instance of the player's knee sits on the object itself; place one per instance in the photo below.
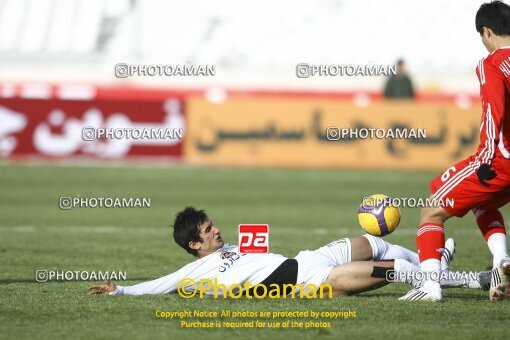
(425, 213)
(362, 248)
(433, 214)
(377, 248)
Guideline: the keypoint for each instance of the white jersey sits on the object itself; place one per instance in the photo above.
(226, 265)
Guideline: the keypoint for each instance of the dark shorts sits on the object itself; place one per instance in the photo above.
(285, 274)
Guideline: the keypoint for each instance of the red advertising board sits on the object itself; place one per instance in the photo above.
(55, 127)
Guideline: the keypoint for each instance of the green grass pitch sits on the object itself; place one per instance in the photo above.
(304, 208)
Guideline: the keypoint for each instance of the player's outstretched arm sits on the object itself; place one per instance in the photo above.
(163, 285)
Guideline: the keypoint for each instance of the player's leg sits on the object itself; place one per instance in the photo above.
(431, 242)
(448, 279)
(368, 247)
(459, 185)
(455, 184)
(357, 277)
(492, 225)
(362, 276)
(315, 266)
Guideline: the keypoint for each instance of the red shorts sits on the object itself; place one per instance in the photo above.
(459, 190)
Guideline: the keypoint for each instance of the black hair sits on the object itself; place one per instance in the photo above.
(187, 227)
(494, 15)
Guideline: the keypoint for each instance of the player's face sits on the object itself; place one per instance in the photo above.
(211, 237)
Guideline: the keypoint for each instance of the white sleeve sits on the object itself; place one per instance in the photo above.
(164, 285)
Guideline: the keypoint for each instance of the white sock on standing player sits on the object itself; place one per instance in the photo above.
(432, 269)
(497, 246)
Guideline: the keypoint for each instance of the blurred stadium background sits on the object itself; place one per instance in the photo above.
(58, 57)
(252, 44)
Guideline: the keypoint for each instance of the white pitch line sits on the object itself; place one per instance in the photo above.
(469, 230)
(82, 229)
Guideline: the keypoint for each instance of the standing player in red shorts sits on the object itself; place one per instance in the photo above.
(480, 183)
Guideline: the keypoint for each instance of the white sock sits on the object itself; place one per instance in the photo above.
(497, 246)
(405, 273)
(431, 265)
(432, 269)
(382, 250)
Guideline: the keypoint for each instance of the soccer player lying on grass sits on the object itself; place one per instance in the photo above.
(349, 265)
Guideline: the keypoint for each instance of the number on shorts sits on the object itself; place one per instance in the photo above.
(447, 173)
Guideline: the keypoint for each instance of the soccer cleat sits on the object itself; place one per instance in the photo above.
(484, 278)
(421, 294)
(448, 252)
(500, 281)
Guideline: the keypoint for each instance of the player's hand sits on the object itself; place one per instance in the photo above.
(106, 288)
(485, 173)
